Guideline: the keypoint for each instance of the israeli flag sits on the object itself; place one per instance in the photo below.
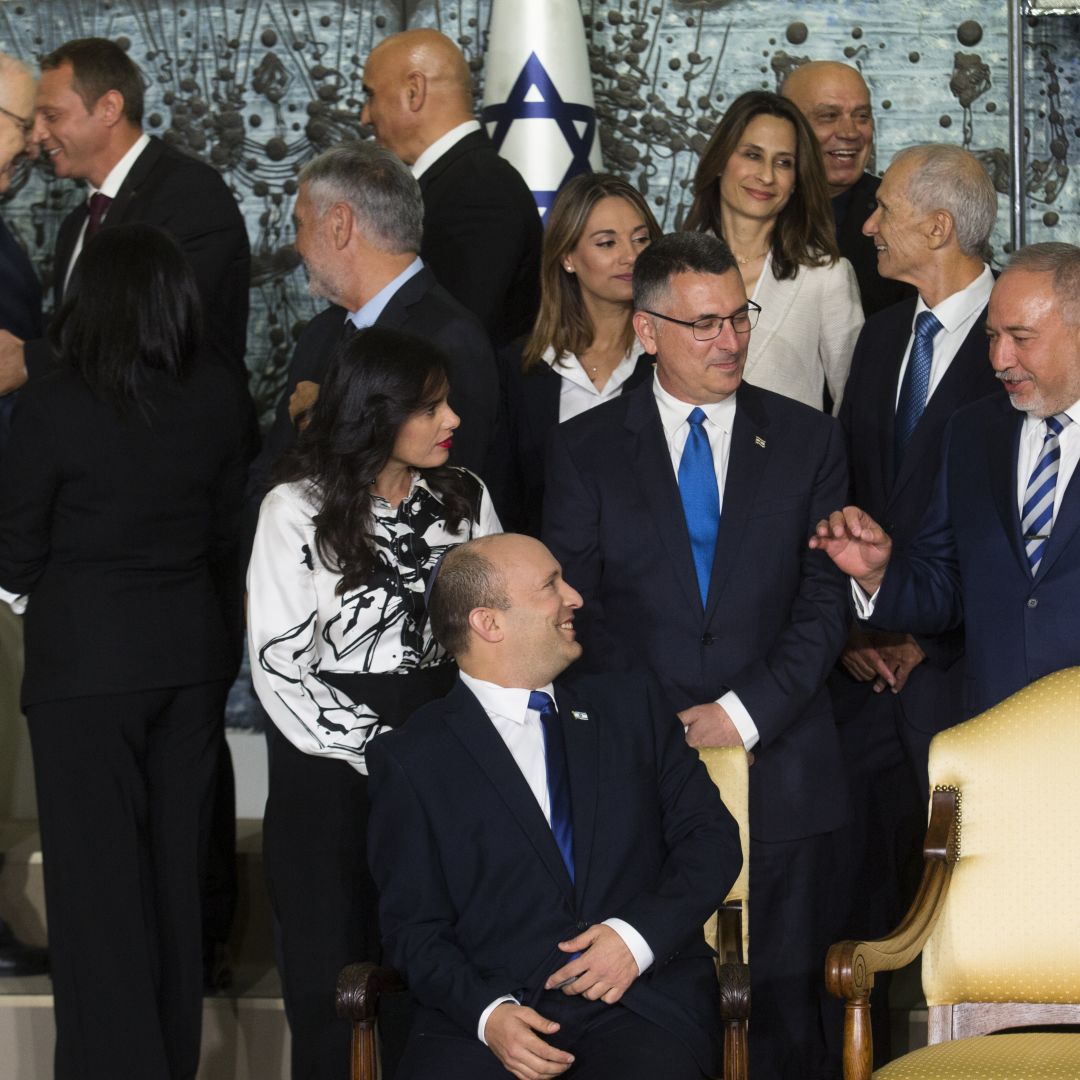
(539, 108)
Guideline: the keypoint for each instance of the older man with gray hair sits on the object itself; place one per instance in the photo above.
(914, 365)
(358, 217)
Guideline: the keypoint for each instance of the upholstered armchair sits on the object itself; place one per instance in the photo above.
(997, 915)
(727, 931)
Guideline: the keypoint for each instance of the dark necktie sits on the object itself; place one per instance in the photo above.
(99, 207)
(700, 499)
(558, 780)
(913, 393)
(1037, 514)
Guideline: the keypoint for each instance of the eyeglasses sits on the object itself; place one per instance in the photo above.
(25, 126)
(742, 321)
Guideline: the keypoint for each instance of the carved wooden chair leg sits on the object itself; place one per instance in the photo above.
(734, 1015)
(359, 987)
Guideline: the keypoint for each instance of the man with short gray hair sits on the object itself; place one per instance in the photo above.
(358, 217)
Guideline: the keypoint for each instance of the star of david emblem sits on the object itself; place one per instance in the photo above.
(534, 95)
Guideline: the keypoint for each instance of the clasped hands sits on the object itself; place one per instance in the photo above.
(602, 971)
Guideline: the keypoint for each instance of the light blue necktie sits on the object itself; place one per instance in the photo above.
(700, 499)
(1037, 515)
(913, 393)
(558, 779)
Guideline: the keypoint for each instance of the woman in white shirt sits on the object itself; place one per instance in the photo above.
(340, 649)
(582, 350)
(761, 187)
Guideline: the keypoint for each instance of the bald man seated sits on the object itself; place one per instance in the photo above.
(482, 229)
(835, 100)
(545, 854)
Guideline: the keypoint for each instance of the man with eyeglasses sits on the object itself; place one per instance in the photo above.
(680, 512)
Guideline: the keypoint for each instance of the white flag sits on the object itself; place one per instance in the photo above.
(538, 99)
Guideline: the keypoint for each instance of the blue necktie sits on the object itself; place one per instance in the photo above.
(558, 780)
(700, 499)
(913, 393)
(1037, 515)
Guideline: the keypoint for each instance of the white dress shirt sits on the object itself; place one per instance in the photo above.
(441, 145)
(1032, 435)
(719, 420)
(522, 730)
(110, 186)
(957, 315)
(577, 393)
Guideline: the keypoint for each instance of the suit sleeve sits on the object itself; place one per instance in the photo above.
(702, 839)
(415, 910)
(571, 529)
(777, 687)
(841, 320)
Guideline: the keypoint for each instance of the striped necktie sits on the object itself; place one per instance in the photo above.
(914, 391)
(1037, 514)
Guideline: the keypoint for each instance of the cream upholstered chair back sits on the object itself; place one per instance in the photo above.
(728, 768)
(1010, 926)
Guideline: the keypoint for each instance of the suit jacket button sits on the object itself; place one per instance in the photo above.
(582, 925)
(707, 639)
(1033, 602)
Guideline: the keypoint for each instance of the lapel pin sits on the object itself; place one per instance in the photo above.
(758, 440)
(577, 714)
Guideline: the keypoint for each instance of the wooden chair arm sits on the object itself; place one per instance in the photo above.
(850, 965)
(359, 988)
(729, 943)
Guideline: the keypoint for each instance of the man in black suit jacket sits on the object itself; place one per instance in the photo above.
(894, 692)
(482, 231)
(739, 628)
(89, 107)
(358, 224)
(835, 99)
(545, 854)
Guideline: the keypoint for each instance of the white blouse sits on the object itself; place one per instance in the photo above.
(298, 626)
(577, 393)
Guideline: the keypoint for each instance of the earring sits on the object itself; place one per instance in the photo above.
(568, 268)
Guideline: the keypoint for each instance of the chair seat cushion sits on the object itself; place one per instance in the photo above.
(991, 1057)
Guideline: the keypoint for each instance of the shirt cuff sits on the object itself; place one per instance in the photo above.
(504, 1000)
(744, 725)
(638, 946)
(864, 605)
(16, 602)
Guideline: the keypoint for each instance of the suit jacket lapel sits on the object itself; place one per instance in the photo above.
(652, 466)
(579, 730)
(1003, 444)
(468, 721)
(896, 337)
(396, 312)
(1064, 527)
(132, 183)
(65, 246)
(746, 464)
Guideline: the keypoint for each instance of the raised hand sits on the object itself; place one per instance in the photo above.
(858, 545)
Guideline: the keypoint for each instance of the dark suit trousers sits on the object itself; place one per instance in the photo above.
(123, 787)
(607, 1041)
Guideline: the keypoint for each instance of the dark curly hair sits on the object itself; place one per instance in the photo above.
(374, 383)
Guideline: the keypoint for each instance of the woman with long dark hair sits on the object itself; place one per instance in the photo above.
(760, 187)
(119, 499)
(340, 649)
(582, 350)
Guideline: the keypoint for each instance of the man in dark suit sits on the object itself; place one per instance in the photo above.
(835, 100)
(89, 126)
(914, 365)
(358, 227)
(999, 546)
(545, 854)
(722, 606)
(482, 231)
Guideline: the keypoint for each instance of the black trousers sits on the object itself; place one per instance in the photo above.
(321, 890)
(124, 784)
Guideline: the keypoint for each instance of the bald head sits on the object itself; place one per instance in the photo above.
(835, 99)
(417, 86)
(17, 101)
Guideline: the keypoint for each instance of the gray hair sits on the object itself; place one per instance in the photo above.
(377, 186)
(677, 253)
(950, 178)
(1061, 260)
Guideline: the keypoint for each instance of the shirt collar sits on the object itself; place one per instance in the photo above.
(118, 173)
(441, 145)
(509, 702)
(1034, 424)
(955, 310)
(370, 312)
(673, 412)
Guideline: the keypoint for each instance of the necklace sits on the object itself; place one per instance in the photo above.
(750, 258)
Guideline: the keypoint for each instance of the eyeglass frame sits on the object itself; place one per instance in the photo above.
(751, 307)
(25, 126)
